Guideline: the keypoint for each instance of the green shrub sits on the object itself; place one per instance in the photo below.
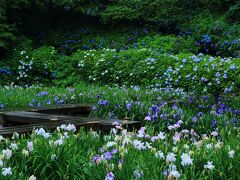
(22, 45)
(165, 44)
(213, 35)
(185, 44)
(9, 66)
(169, 44)
(145, 67)
(37, 66)
(158, 12)
(79, 66)
(66, 71)
(233, 13)
(6, 74)
(206, 23)
(44, 58)
(86, 39)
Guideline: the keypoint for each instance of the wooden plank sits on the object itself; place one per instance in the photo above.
(67, 109)
(51, 117)
(94, 123)
(1, 119)
(23, 117)
(59, 109)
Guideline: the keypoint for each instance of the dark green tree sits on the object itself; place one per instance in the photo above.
(6, 29)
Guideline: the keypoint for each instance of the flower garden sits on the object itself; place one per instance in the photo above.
(179, 76)
(197, 137)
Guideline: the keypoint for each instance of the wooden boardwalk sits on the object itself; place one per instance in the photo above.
(51, 118)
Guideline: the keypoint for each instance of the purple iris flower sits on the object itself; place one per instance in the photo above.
(31, 104)
(236, 112)
(141, 131)
(220, 111)
(129, 105)
(101, 149)
(154, 108)
(96, 157)
(199, 114)
(223, 106)
(103, 102)
(114, 151)
(219, 99)
(175, 106)
(235, 120)
(214, 122)
(49, 102)
(154, 116)
(204, 97)
(190, 100)
(42, 94)
(218, 74)
(61, 101)
(165, 172)
(163, 116)
(117, 106)
(109, 176)
(194, 119)
(108, 155)
(120, 161)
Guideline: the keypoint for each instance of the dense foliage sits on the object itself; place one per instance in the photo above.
(145, 67)
(32, 17)
(5, 28)
(136, 66)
